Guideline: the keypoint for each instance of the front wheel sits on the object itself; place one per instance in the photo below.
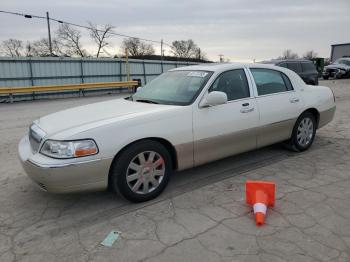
(142, 171)
(304, 132)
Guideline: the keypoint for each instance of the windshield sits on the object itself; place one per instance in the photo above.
(342, 61)
(174, 87)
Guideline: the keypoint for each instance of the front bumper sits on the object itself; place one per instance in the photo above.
(336, 73)
(64, 175)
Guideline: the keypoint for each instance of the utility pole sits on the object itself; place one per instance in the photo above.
(127, 64)
(221, 58)
(161, 55)
(49, 31)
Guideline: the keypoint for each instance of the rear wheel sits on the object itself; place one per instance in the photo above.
(142, 171)
(304, 132)
(325, 77)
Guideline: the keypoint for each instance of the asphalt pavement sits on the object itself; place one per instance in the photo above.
(201, 216)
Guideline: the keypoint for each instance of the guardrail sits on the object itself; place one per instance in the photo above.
(52, 88)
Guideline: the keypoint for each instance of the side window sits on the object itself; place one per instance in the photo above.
(308, 66)
(283, 65)
(295, 66)
(234, 83)
(270, 81)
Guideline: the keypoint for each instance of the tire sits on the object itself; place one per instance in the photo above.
(338, 76)
(304, 133)
(142, 171)
(325, 77)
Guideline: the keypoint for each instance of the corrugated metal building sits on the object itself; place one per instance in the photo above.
(340, 50)
(38, 71)
(27, 71)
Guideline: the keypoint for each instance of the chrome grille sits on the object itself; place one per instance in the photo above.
(35, 136)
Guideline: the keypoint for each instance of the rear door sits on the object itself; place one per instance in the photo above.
(279, 105)
(223, 130)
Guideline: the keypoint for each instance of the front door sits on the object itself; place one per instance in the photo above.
(227, 129)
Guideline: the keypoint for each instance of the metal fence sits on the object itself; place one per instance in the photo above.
(61, 71)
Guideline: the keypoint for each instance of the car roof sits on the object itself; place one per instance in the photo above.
(210, 66)
(218, 67)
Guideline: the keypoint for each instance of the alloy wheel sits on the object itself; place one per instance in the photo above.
(145, 172)
(305, 132)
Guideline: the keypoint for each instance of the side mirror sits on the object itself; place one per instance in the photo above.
(139, 88)
(214, 98)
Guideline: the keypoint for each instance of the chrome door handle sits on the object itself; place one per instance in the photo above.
(247, 110)
(294, 100)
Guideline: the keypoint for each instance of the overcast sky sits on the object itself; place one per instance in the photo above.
(240, 30)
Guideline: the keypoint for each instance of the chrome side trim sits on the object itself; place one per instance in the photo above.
(44, 166)
(326, 117)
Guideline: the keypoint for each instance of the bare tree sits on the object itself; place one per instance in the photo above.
(137, 48)
(310, 54)
(42, 48)
(28, 50)
(12, 47)
(289, 54)
(184, 48)
(200, 55)
(70, 39)
(100, 36)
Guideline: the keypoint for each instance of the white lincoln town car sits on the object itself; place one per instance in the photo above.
(183, 118)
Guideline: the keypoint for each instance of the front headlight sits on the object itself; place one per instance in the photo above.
(69, 149)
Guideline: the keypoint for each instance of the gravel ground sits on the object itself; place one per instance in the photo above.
(202, 215)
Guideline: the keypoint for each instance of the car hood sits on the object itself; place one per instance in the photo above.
(338, 66)
(96, 112)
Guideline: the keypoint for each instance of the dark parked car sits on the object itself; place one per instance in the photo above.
(304, 68)
(338, 69)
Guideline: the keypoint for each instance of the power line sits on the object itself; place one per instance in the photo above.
(81, 26)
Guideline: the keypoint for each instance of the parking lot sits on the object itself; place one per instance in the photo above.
(201, 216)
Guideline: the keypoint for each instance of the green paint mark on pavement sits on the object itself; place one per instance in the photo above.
(110, 239)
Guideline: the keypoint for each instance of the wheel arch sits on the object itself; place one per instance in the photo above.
(315, 113)
(169, 146)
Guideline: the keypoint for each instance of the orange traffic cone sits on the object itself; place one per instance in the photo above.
(260, 194)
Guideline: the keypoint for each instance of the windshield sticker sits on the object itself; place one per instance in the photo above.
(197, 74)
